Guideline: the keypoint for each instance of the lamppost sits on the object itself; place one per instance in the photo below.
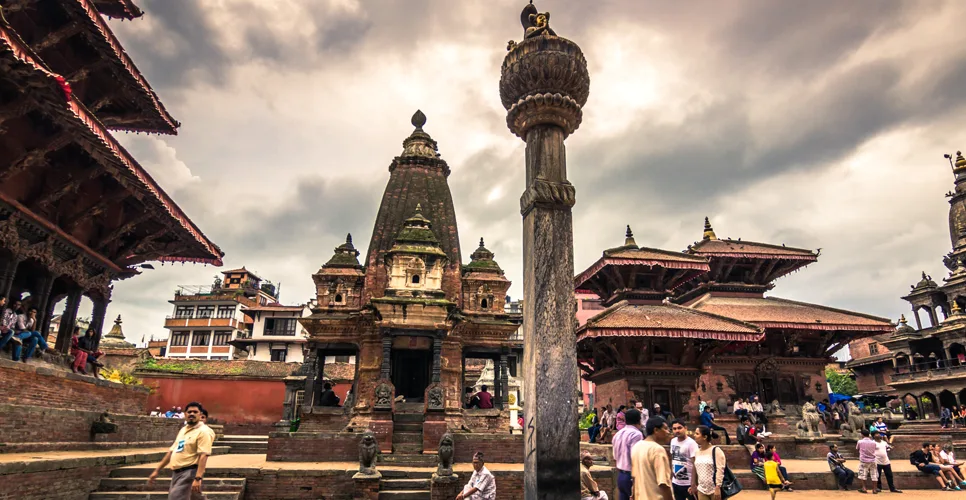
(543, 86)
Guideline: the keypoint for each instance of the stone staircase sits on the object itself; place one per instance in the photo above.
(131, 483)
(241, 444)
(407, 429)
(405, 485)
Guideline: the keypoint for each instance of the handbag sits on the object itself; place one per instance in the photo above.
(729, 485)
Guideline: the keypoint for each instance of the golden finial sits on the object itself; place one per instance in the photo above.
(629, 237)
(902, 319)
(960, 161)
(708, 231)
(954, 307)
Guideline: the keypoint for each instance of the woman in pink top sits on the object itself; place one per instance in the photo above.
(621, 421)
(774, 456)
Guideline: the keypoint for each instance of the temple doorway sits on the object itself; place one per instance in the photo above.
(410, 373)
(768, 391)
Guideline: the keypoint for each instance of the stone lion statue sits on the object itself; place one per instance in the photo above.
(445, 456)
(808, 426)
(368, 451)
(856, 420)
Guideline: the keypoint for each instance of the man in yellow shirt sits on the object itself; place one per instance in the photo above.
(187, 457)
(650, 466)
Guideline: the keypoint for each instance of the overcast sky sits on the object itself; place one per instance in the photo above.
(817, 124)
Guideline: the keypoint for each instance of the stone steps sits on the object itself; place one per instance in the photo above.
(407, 437)
(405, 495)
(407, 474)
(407, 427)
(246, 447)
(159, 495)
(407, 448)
(163, 483)
(404, 485)
(420, 460)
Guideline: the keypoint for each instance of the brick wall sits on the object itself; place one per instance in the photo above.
(67, 479)
(509, 484)
(30, 384)
(496, 448)
(313, 446)
(300, 484)
(27, 424)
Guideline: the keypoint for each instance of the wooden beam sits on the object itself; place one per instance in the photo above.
(82, 73)
(780, 270)
(14, 109)
(123, 229)
(768, 270)
(36, 156)
(730, 266)
(132, 249)
(97, 209)
(70, 186)
(58, 35)
(102, 101)
(11, 6)
(754, 270)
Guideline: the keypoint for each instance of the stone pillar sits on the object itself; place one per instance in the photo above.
(543, 85)
(437, 361)
(293, 384)
(67, 320)
(310, 371)
(8, 271)
(933, 317)
(504, 382)
(384, 370)
(97, 318)
(43, 303)
(915, 312)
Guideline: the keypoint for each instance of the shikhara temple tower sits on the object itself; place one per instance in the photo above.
(411, 314)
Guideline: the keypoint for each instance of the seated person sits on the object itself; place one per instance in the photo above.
(747, 435)
(758, 411)
(786, 485)
(328, 397)
(948, 457)
(486, 399)
(922, 460)
(470, 399)
(30, 338)
(836, 463)
(758, 462)
(952, 473)
(739, 408)
(8, 323)
(80, 355)
(666, 415)
(87, 344)
(707, 420)
(880, 426)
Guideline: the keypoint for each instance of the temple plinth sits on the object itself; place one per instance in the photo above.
(543, 86)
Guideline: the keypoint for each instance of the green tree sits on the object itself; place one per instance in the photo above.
(841, 383)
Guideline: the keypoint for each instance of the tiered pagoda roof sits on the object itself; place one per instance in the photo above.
(75, 42)
(773, 312)
(98, 199)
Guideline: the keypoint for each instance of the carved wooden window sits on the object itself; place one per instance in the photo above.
(415, 279)
(873, 348)
(179, 339)
(279, 354)
(879, 376)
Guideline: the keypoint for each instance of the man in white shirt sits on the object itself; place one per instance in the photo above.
(683, 449)
(482, 485)
(883, 464)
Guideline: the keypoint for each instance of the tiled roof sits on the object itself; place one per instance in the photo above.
(232, 368)
(738, 248)
(275, 307)
(869, 360)
(51, 94)
(665, 320)
(773, 312)
(630, 256)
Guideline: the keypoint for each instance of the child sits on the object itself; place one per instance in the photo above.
(774, 479)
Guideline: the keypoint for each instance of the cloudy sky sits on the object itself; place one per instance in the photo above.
(817, 124)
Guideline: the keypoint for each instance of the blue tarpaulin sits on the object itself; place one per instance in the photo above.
(835, 398)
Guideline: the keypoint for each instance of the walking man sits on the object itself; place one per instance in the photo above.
(883, 464)
(624, 440)
(651, 469)
(187, 457)
(683, 449)
(867, 468)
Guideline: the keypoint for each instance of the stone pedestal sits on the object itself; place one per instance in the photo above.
(323, 418)
(366, 486)
(445, 487)
(381, 425)
(543, 85)
(434, 426)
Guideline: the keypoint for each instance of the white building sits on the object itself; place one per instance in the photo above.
(276, 334)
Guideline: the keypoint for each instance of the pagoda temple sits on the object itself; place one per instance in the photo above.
(684, 327)
(411, 315)
(76, 209)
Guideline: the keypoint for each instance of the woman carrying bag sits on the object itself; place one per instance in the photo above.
(712, 478)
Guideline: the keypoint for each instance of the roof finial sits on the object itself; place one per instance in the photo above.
(419, 208)
(902, 319)
(419, 119)
(481, 242)
(629, 238)
(118, 320)
(348, 238)
(924, 275)
(708, 231)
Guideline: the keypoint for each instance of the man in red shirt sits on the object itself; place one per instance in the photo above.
(486, 399)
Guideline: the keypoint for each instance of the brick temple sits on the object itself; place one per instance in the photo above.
(925, 364)
(411, 313)
(682, 327)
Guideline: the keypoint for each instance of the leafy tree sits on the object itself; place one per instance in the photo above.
(841, 383)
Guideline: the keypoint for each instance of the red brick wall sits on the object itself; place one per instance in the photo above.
(35, 424)
(68, 479)
(27, 384)
(497, 448)
(229, 401)
(313, 447)
(306, 484)
(613, 393)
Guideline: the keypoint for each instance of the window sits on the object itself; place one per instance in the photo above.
(338, 298)
(280, 326)
(200, 338)
(234, 281)
(873, 348)
(483, 304)
(179, 338)
(342, 359)
(222, 338)
(299, 400)
(415, 279)
(279, 354)
(226, 311)
(183, 311)
(205, 311)
(879, 377)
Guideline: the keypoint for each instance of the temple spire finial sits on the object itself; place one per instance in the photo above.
(629, 237)
(481, 242)
(419, 119)
(419, 208)
(348, 238)
(708, 231)
(902, 319)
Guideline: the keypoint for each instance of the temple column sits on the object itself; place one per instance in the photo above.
(915, 312)
(384, 370)
(8, 272)
(310, 371)
(933, 317)
(542, 110)
(42, 304)
(67, 320)
(98, 314)
(504, 381)
(437, 361)
(497, 388)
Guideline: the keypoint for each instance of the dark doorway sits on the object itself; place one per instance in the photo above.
(768, 389)
(662, 397)
(410, 373)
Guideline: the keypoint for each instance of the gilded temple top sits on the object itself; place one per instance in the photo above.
(535, 23)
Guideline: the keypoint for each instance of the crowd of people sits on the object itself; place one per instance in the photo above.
(18, 327)
(953, 417)
(174, 412)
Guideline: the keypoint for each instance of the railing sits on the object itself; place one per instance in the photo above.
(929, 370)
(175, 322)
(244, 335)
(278, 332)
